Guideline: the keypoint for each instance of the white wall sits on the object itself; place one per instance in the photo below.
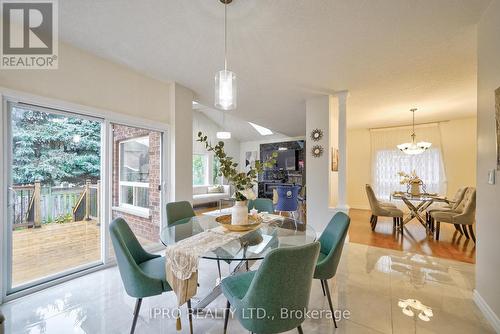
(92, 81)
(488, 196)
(203, 123)
(318, 169)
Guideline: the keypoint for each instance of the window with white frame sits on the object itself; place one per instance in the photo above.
(134, 174)
(200, 169)
(428, 166)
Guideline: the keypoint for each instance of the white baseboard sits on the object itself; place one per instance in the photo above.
(360, 207)
(487, 311)
(341, 208)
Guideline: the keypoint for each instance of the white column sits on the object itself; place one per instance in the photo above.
(181, 144)
(342, 147)
(317, 168)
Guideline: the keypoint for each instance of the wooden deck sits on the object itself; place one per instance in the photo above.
(54, 248)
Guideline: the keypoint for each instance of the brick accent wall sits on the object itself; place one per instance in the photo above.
(147, 228)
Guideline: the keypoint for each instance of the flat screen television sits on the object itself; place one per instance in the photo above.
(287, 160)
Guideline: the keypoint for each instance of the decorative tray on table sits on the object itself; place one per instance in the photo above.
(225, 221)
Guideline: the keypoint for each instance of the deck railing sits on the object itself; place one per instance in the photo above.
(34, 204)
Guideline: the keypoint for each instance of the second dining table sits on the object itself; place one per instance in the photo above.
(274, 232)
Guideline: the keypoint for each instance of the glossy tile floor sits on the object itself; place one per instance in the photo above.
(369, 284)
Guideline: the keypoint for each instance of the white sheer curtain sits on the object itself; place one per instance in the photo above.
(387, 160)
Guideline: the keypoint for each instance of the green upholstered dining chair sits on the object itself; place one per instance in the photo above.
(179, 210)
(142, 273)
(283, 281)
(261, 205)
(332, 242)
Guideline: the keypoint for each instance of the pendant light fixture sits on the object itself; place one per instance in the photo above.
(225, 80)
(414, 147)
(223, 134)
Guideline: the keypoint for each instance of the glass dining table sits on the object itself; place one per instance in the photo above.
(275, 232)
(417, 204)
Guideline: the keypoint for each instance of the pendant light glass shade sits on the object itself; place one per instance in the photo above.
(225, 90)
(225, 80)
(414, 147)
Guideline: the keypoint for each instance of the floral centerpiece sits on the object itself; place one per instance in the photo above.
(242, 182)
(412, 181)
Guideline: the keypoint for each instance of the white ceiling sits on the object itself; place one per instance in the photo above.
(239, 128)
(390, 54)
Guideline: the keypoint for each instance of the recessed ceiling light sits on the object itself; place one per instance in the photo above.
(260, 129)
(223, 135)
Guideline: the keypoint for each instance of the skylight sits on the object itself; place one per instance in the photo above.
(260, 129)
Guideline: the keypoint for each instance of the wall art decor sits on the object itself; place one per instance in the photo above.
(316, 134)
(317, 151)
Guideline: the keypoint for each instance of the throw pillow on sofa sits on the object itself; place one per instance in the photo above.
(215, 189)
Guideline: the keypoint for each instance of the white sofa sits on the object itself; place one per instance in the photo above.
(200, 195)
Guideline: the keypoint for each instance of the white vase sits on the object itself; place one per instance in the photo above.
(239, 213)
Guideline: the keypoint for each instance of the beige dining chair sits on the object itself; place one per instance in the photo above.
(447, 206)
(462, 217)
(382, 209)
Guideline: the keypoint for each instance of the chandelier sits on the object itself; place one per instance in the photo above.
(414, 147)
(225, 80)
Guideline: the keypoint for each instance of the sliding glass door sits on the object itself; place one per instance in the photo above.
(67, 176)
(54, 194)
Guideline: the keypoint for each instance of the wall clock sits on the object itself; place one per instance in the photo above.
(317, 151)
(316, 134)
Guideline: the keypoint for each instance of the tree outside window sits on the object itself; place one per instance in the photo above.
(200, 169)
(216, 179)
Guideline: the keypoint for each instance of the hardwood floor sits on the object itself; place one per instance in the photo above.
(451, 245)
(199, 210)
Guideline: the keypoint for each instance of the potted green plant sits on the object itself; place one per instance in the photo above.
(242, 182)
